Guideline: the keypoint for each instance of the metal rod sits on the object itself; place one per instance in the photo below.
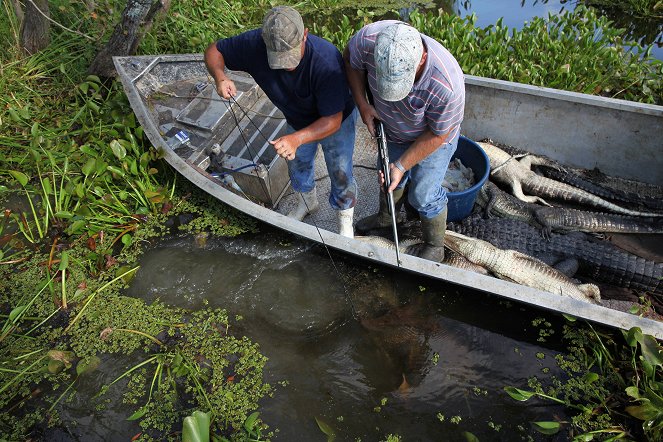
(383, 156)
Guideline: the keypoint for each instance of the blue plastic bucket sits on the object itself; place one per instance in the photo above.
(460, 204)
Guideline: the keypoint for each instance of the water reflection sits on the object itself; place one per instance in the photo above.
(419, 353)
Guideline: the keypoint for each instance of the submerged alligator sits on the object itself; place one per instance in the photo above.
(517, 174)
(496, 202)
(598, 260)
(518, 267)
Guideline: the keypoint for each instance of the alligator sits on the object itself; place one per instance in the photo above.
(597, 260)
(518, 267)
(402, 334)
(484, 258)
(496, 202)
(451, 258)
(633, 193)
(575, 179)
(517, 174)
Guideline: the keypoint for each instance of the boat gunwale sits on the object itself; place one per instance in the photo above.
(562, 95)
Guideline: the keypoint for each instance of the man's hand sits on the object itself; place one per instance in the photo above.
(394, 173)
(226, 88)
(286, 146)
(368, 116)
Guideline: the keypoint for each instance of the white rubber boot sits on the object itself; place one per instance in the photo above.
(307, 203)
(345, 222)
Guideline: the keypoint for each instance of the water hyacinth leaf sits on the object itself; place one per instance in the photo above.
(633, 392)
(55, 367)
(518, 394)
(19, 176)
(63, 214)
(155, 197)
(138, 414)
(93, 106)
(469, 437)
(63, 356)
(79, 190)
(89, 166)
(590, 377)
(88, 150)
(130, 273)
(133, 167)
(46, 184)
(127, 239)
(196, 427)
(116, 170)
(644, 412)
(651, 349)
(118, 150)
(16, 312)
(86, 366)
(546, 427)
(14, 115)
(77, 227)
(326, 429)
(64, 262)
(24, 112)
(250, 421)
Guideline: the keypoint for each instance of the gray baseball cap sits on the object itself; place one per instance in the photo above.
(283, 32)
(398, 51)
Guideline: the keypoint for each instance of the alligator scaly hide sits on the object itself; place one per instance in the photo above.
(496, 202)
(518, 175)
(598, 260)
(514, 266)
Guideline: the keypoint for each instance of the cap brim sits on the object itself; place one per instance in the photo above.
(394, 89)
(285, 59)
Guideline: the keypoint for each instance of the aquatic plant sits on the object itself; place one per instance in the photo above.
(605, 379)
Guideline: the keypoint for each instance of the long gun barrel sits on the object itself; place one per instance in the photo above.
(383, 156)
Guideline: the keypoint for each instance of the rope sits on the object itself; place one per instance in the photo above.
(348, 296)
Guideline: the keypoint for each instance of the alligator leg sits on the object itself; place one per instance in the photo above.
(517, 190)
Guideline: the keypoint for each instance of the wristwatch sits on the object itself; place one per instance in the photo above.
(399, 166)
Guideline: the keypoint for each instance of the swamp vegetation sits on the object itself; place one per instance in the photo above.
(84, 194)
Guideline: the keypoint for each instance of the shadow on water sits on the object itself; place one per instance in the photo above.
(422, 359)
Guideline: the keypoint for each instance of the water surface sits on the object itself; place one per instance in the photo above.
(420, 358)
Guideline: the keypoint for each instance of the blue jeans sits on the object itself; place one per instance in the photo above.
(425, 192)
(337, 149)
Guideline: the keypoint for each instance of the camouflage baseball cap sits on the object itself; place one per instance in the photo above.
(283, 32)
(398, 51)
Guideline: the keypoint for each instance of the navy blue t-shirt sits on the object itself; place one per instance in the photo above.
(316, 88)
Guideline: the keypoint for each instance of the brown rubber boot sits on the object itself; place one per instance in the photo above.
(433, 230)
(382, 219)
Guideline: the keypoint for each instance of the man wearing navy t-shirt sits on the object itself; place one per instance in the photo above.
(303, 75)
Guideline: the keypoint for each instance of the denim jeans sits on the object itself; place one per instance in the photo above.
(337, 149)
(425, 191)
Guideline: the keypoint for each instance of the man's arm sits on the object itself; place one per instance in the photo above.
(216, 67)
(357, 81)
(287, 145)
(424, 145)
